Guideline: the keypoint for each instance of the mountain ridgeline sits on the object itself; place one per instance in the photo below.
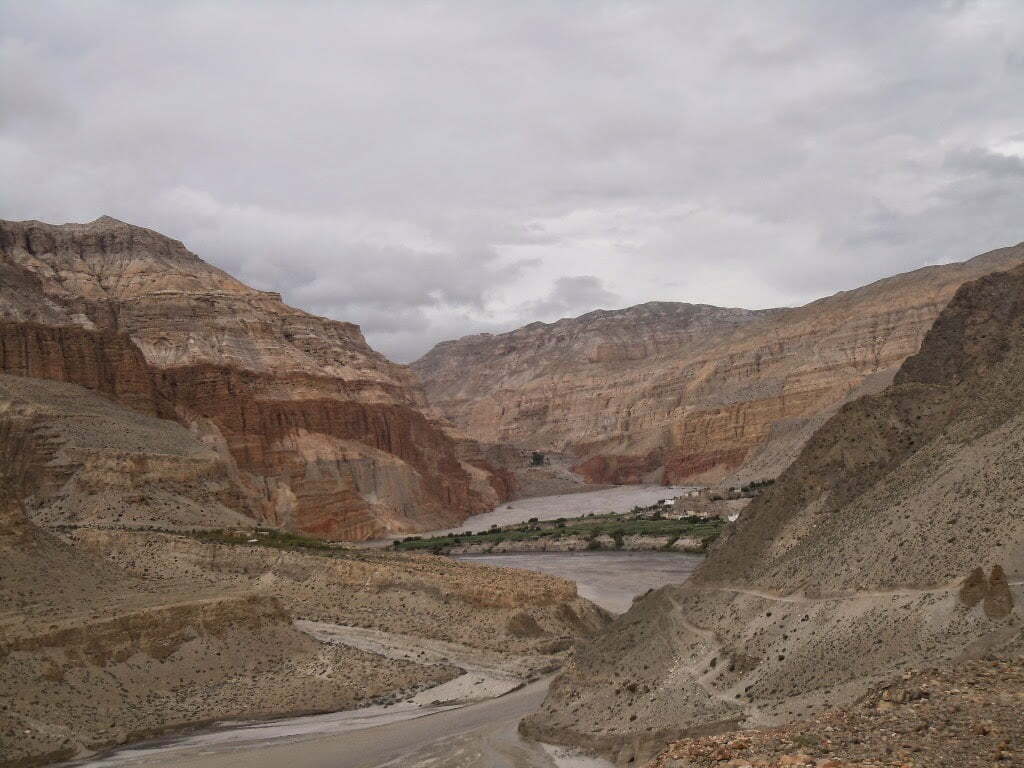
(689, 393)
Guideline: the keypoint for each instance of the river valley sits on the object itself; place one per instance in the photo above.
(470, 722)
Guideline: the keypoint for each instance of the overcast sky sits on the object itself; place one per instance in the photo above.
(429, 170)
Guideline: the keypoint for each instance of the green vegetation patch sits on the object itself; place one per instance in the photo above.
(264, 537)
(617, 527)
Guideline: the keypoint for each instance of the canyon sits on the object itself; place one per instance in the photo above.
(676, 393)
(315, 431)
(188, 465)
(894, 543)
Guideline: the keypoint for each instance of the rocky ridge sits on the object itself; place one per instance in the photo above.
(895, 541)
(324, 435)
(689, 393)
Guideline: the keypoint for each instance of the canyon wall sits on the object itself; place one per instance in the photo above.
(325, 436)
(679, 392)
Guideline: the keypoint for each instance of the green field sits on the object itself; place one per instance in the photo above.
(618, 527)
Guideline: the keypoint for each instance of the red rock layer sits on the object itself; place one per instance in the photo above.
(105, 362)
(267, 437)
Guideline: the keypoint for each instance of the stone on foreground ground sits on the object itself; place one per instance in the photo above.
(967, 715)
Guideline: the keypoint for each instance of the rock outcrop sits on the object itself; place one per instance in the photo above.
(325, 435)
(680, 392)
(860, 563)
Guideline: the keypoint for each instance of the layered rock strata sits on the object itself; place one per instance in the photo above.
(894, 541)
(689, 393)
(77, 458)
(326, 436)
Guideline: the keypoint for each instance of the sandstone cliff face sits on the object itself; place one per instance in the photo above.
(895, 540)
(327, 436)
(689, 393)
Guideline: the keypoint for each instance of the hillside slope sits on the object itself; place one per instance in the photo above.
(327, 436)
(894, 541)
(685, 392)
(91, 656)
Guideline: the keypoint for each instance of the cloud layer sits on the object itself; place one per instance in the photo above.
(434, 169)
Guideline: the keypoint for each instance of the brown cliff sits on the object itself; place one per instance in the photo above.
(679, 392)
(326, 435)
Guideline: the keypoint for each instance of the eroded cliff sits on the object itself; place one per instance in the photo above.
(680, 392)
(325, 436)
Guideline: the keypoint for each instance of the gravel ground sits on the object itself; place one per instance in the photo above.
(967, 715)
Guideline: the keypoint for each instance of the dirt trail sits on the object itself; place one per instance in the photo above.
(798, 598)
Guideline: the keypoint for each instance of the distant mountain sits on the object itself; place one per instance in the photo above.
(682, 392)
(894, 541)
(319, 433)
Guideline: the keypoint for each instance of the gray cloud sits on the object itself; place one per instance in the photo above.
(433, 169)
(572, 296)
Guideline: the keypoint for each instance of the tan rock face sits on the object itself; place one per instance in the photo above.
(683, 392)
(327, 435)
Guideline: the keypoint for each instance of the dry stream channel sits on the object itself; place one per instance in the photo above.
(429, 731)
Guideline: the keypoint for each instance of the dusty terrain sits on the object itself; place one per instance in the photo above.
(323, 434)
(423, 595)
(689, 393)
(895, 541)
(427, 728)
(91, 656)
(966, 715)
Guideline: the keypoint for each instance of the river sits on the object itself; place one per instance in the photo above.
(610, 579)
(620, 498)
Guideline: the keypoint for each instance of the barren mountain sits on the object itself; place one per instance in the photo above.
(322, 434)
(895, 541)
(689, 392)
